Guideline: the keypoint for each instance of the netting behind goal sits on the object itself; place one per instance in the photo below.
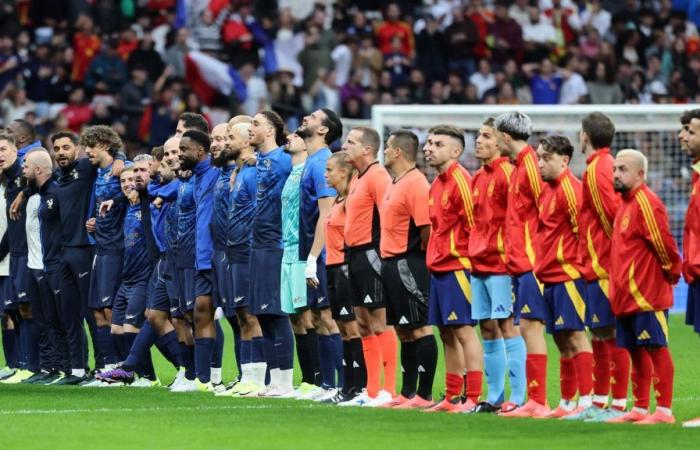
(652, 129)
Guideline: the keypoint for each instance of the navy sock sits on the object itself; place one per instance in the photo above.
(256, 350)
(314, 352)
(168, 346)
(327, 361)
(237, 343)
(218, 353)
(246, 352)
(187, 358)
(146, 368)
(284, 342)
(126, 340)
(203, 351)
(31, 344)
(142, 343)
(105, 343)
(9, 348)
(338, 358)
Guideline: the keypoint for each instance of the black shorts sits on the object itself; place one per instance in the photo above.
(365, 278)
(340, 292)
(407, 283)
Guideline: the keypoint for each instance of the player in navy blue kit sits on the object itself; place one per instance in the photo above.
(267, 135)
(101, 146)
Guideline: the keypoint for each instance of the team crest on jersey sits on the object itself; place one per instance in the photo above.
(49, 203)
(475, 193)
(625, 223)
(18, 181)
(431, 202)
(445, 198)
(138, 215)
(74, 174)
(267, 163)
(492, 185)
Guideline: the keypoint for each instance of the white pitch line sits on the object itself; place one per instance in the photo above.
(7, 412)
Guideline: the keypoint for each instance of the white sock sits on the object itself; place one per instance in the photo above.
(666, 411)
(286, 379)
(568, 405)
(620, 403)
(215, 376)
(585, 401)
(246, 372)
(77, 372)
(640, 410)
(600, 399)
(257, 374)
(275, 377)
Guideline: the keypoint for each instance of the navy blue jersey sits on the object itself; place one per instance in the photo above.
(151, 245)
(171, 217)
(159, 215)
(136, 263)
(240, 216)
(15, 239)
(50, 226)
(273, 168)
(205, 179)
(75, 195)
(186, 222)
(222, 200)
(109, 238)
(313, 186)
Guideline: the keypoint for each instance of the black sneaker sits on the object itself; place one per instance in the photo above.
(339, 397)
(50, 377)
(37, 378)
(486, 407)
(71, 380)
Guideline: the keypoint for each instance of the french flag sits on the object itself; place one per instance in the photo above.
(208, 76)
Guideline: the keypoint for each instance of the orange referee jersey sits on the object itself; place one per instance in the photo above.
(335, 234)
(452, 217)
(362, 206)
(600, 204)
(522, 213)
(487, 247)
(691, 231)
(404, 209)
(644, 259)
(556, 240)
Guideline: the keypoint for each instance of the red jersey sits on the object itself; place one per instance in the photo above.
(362, 206)
(644, 259)
(404, 210)
(335, 237)
(691, 231)
(452, 217)
(600, 203)
(556, 240)
(386, 32)
(522, 212)
(487, 246)
(85, 48)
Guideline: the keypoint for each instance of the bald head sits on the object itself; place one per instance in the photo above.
(171, 152)
(630, 170)
(37, 167)
(40, 158)
(219, 145)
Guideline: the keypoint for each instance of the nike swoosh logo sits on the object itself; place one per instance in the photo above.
(81, 275)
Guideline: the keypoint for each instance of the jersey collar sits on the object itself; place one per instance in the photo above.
(597, 153)
(443, 176)
(202, 166)
(521, 155)
(490, 167)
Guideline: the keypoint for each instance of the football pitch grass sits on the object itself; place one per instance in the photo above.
(106, 418)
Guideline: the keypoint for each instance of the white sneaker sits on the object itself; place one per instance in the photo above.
(249, 390)
(178, 378)
(142, 382)
(362, 399)
(185, 386)
(327, 394)
(279, 392)
(94, 383)
(381, 399)
(267, 390)
(7, 372)
(312, 394)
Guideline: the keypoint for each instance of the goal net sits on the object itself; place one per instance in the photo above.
(652, 129)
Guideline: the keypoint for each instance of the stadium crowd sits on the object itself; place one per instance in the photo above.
(71, 63)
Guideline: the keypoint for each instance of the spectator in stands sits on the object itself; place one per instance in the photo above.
(314, 56)
(573, 88)
(14, 104)
(602, 87)
(107, 71)
(483, 79)
(78, 111)
(176, 52)
(461, 38)
(505, 36)
(256, 90)
(285, 98)
(430, 50)
(545, 83)
(145, 56)
(539, 36)
(394, 26)
(86, 45)
(520, 12)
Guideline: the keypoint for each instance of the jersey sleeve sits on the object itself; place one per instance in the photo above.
(417, 203)
(464, 201)
(379, 185)
(534, 180)
(319, 180)
(657, 233)
(605, 200)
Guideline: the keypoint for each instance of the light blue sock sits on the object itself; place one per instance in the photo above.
(495, 369)
(516, 353)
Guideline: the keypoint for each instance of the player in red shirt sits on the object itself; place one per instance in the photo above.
(405, 230)
(514, 129)
(492, 303)
(644, 267)
(362, 205)
(600, 204)
(452, 217)
(689, 138)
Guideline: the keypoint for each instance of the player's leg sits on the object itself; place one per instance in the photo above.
(483, 306)
(71, 312)
(204, 330)
(9, 335)
(135, 319)
(692, 317)
(28, 332)
(47, 354)
(51, 308)
(307, 350)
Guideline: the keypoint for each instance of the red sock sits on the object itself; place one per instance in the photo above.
(601, 370)
(389, 344)
(583, 361)
(372, 349)
(474, 383)
(567, 378)
(453, 386)
(536, 373)
(663, 376)
(642, 369)
(619, 371)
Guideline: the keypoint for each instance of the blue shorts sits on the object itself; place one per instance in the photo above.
(220, 283)
(186, 290)
(565, 306)
(158, 298)
(265, 275)
(317, 297)
(105, 280)
(203, 284)
(644, 329)
(169, 275)
(5, 294)
(19, 277)
(598, 311)
(450, 299)
(130, 304)
(239, 287)
(492, 296)
(529, 300)
(692, 313)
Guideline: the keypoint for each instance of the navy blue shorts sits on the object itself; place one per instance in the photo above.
(598, 311)
(203, 284)
(130, 304)
(105, 280)
(644, 329)
(239, 287)
(317, 297)
(450, 299)
(185, 287)
(265, 278)
(529, 298)
(340, 293)
(169, 275)
(5, 295)
(220, 282)
(692, 313)
(158, 298)
(565, 308)
(19, 277)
